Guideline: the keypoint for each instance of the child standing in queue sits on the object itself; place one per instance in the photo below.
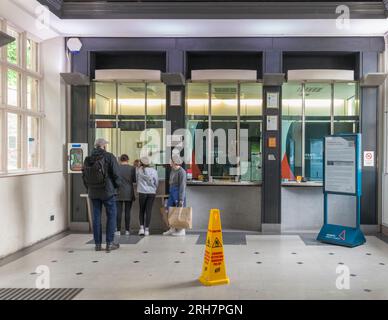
(147, 185)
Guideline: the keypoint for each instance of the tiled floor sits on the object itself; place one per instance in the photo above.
(267, 267)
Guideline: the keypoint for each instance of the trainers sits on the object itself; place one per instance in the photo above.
(111, 247)
(147, 232)
(141, 231)
(169, 232)
(179, 233)
(117, 233)
(127, 233)
(98, 247)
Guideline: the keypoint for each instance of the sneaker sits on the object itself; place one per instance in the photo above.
(147, 232)
(127, 233)
(141, 231)
(169, 232)
(98, 247)
(111, 247)
(117, 233)
(179, 233)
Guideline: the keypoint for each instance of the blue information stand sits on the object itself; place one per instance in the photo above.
(338, 158)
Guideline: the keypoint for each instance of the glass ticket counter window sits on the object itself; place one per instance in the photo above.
(224, 120)
(311, 111)
(130, 116)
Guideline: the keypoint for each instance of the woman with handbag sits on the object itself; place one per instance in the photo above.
(177, 197)
(147, 185)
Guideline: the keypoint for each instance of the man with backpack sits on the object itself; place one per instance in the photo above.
(101, 178)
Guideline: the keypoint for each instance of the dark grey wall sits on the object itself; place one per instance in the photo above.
(369, 121)
(271, 49)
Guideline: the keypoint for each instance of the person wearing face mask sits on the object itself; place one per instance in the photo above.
(177, 197)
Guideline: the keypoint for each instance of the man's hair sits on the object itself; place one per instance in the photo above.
(124, 158)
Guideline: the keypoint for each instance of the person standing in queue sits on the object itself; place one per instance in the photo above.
(125, 193)
(147, 185)
(101, 178)
(177, 197)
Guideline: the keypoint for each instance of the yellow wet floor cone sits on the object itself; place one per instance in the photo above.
(214, 270)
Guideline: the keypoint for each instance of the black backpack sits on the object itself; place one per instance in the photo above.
(95, 171)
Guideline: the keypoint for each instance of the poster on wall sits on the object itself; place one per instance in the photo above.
(77, 152)
(340, 164)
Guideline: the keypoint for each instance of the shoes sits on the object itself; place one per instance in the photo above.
(117, 233)
(169, 232)
(98, 247)
(179, 233)
(127, 233)
(141, 231)
(147, 232)
(112, 247)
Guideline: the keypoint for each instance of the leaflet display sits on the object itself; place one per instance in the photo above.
(342, 179)
(340, 165)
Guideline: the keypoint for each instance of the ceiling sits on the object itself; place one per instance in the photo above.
(25, 13)
(215, 9)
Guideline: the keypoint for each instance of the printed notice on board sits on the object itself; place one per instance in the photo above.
(340, 165)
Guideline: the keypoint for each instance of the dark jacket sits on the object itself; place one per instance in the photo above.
(113, 181)
(128, 177)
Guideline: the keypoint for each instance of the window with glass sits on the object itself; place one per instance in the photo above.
(32, 62)
(13, 141)
(33, 129)
(131, 117)
(224, 121)
(13, 49)
(21, 112)
(311, 111)
(13, 86)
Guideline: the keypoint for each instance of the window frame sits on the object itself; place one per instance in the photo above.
(332, 115)
(21, 109)
(209, 140)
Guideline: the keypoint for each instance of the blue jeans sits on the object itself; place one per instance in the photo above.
(111, 213)
(173, 199)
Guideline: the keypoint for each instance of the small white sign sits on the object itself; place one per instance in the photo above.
(272, 123)
(369, 158)
(175, 98)
(273, 100)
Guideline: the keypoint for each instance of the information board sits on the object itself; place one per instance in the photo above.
(340, 164)
(342, 177)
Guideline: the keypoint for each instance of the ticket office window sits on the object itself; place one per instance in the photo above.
(130, 116)
(224, 120)
(311, 111)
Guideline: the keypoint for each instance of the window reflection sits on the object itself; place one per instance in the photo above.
(235, 112)
(311, 111)
(292, 131)
(130, 116)
(317, 126)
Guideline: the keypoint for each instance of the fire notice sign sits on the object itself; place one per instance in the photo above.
(369, 159)
(340, 165)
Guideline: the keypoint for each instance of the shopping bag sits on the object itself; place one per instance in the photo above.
(180, 218)
(164, 215)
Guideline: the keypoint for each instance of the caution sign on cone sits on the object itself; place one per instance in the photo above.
(214, 270)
